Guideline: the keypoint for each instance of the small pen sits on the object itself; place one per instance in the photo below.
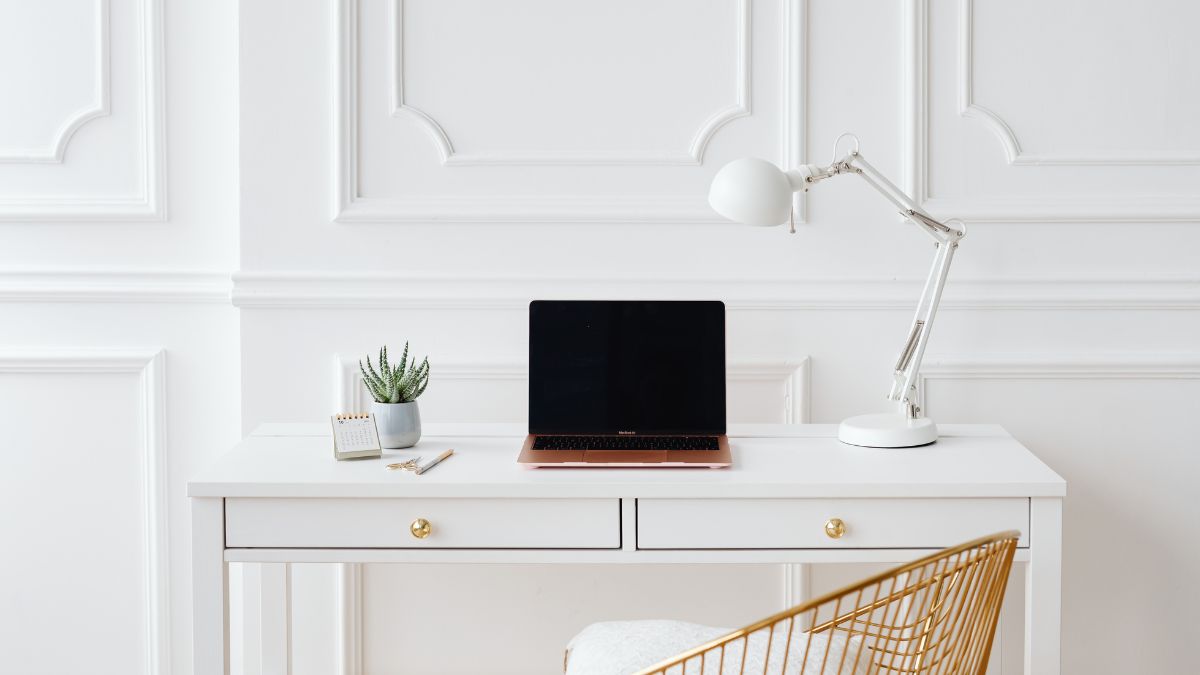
(422, 468)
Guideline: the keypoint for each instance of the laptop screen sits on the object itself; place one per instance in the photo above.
(613, 366)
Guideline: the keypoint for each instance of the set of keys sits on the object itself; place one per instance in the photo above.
(416, 466)
(410, 465)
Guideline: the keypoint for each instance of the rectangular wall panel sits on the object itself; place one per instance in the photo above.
(616, 127)
(1016, 119)
(499, 392)
(1122, 432)
(83, 135)
(83, 497)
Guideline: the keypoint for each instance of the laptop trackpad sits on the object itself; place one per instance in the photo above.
(625, 456)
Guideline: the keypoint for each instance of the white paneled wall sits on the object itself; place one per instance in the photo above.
(773, 393)
(119, 364)
(389, 170)
(1038, 120)
(1126, 441)
(591, 107)
(117, 476)
(82, 135)
(466, 157)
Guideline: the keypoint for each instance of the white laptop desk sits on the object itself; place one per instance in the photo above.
(279, 496)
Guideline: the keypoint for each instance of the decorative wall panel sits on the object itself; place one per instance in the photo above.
(621, 125)
(81, 137)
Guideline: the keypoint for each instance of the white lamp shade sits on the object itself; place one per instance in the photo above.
(753, 192)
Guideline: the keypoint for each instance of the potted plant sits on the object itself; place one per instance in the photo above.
(395, 390)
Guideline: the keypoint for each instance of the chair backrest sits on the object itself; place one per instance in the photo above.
(934, 615)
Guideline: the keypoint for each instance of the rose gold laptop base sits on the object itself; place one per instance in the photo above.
(600, 459)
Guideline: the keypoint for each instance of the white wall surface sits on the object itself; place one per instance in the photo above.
(387, 170)
(118, 345)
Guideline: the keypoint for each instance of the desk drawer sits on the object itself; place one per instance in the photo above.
(452, 523)
(800, 523)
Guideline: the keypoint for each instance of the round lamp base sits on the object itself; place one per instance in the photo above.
(887, 430)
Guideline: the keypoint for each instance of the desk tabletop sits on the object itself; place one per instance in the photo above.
(769, 461)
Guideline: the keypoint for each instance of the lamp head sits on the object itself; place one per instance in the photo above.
(756, 192)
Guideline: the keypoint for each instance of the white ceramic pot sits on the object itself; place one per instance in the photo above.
(399, 424)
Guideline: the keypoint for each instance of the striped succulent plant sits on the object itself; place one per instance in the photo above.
(400, 383)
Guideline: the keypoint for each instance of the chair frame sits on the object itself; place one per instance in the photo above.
(957, 594)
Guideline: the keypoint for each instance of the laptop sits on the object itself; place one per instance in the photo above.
(626, 383)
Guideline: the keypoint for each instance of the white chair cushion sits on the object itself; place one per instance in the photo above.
(625, 647)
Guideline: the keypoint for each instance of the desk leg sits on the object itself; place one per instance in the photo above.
(210, 589)
(1043, 588)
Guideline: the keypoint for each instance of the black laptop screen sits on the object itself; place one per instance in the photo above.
(648, 367)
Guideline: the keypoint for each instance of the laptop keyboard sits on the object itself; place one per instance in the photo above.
(626, 443)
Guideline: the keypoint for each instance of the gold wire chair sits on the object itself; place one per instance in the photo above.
(934, 615)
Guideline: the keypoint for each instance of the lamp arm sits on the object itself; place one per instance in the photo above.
(908, 364)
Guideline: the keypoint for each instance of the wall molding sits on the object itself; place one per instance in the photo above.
(1008, 139)
(793, 377)
(149, 202)
(1017, 209)
(348, 596)
(1059, 366)
(914, 91)
(797, 584)
(331, 290)
(794, 89)
(693, 155)
(349, 393)
(1065, 366)
(114, 285)
(149, 365)
(350, 207)
(98, 107)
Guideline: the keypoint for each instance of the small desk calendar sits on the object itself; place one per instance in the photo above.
(355, 436)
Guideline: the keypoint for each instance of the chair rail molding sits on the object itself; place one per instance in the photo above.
(350, 207)
(693, 155)
(1016, 209)
(54, 151)
(149, 365)
(420, 290)
(1059, 366)
(792, 376)
(114, 285)
(149, 202)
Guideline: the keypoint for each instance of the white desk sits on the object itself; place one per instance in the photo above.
(279, 496)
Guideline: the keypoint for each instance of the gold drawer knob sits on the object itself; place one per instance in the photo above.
(420, 528)
(835, 528)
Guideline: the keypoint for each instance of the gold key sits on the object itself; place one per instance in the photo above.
(410, 465)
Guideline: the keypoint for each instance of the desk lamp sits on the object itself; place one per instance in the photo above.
(756, 192)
